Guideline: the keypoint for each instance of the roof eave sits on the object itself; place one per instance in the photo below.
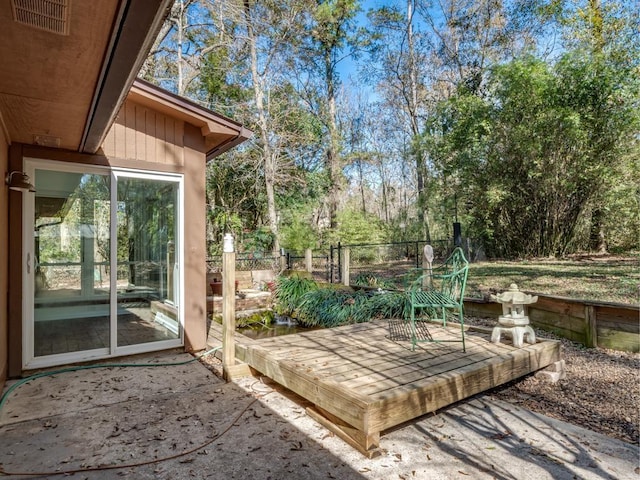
(242, 136)
(210, 123)
(134, 32)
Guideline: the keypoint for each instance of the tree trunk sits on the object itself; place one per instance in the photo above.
(268, 156)
(597, 240)
(415, 126)
(333, 155)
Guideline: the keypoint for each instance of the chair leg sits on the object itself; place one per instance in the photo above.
(461, 319)
(413, 329)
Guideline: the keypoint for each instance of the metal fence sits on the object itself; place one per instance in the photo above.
(386, 260)
(245, 263)
(320, 265)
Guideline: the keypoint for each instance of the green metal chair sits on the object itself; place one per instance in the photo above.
(435, 292)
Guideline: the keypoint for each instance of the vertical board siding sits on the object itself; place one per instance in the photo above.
(142, 134)
(150, 133)
(161, 148)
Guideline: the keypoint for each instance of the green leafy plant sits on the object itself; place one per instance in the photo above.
(330, 307)
(368, 279)
(289, 291)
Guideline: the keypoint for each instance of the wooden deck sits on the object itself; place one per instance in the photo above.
(364, 378)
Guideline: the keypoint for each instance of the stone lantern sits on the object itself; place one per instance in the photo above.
(514, 320)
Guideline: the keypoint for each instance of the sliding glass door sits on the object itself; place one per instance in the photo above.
(102, 272)
(146, 288)
(70, 262)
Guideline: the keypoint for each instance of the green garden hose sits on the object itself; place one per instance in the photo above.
(131, 465)
(102, 365)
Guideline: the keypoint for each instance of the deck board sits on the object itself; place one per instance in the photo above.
(366, 378)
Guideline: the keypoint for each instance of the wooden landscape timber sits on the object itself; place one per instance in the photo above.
(615, 326)
(363, 379)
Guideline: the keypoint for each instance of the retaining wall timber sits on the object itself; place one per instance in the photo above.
(595, 324)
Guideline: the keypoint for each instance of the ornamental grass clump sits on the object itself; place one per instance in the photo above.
(330, 307)
(314, 305)
(368, 279)
(289, 292)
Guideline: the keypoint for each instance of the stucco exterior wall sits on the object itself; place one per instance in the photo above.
(4, 260)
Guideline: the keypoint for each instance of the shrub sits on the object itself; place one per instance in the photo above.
(329, 307)
(289, 291)
(368, 279)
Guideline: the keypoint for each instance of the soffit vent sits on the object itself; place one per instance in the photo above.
(49, 15)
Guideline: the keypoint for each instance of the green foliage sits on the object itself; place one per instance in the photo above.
(357, 227)
(333, 21)
(368, 279)
(258, 241)
(298, 235)
(289, 292)
(544, 146)
(236, 200)
(330, 307)
(533, 156)
(264, 318)
(219, 87)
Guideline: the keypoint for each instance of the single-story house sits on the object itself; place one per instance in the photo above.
(102, 211)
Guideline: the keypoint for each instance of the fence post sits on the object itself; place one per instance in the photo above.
(339, 263)
(427, 262)
(228, 308)
(345, 266)
(457, 234)
(308, 260)
(328, 269)
(591, 330)
(283, 260)
(330, 266)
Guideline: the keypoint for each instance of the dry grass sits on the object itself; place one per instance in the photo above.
(597, 278)
(600, 278)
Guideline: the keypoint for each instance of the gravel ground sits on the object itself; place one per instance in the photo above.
(601, 391)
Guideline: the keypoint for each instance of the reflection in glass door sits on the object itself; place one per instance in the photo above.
(101, 267)
(71, 262)
(147, 267)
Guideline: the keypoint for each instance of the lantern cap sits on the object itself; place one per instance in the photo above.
(514, 296)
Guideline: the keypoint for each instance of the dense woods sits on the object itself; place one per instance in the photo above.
(390, 120)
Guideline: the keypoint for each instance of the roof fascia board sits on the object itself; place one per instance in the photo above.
(242, 136)
(135, 29)
(186, 109)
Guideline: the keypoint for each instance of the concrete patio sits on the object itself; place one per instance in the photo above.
(183, 421)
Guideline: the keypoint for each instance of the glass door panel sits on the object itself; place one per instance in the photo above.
(147, 229)
(71, 262)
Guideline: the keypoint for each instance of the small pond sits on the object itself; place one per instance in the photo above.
(273, 326)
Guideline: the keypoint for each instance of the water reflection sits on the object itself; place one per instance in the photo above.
(280, 326)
